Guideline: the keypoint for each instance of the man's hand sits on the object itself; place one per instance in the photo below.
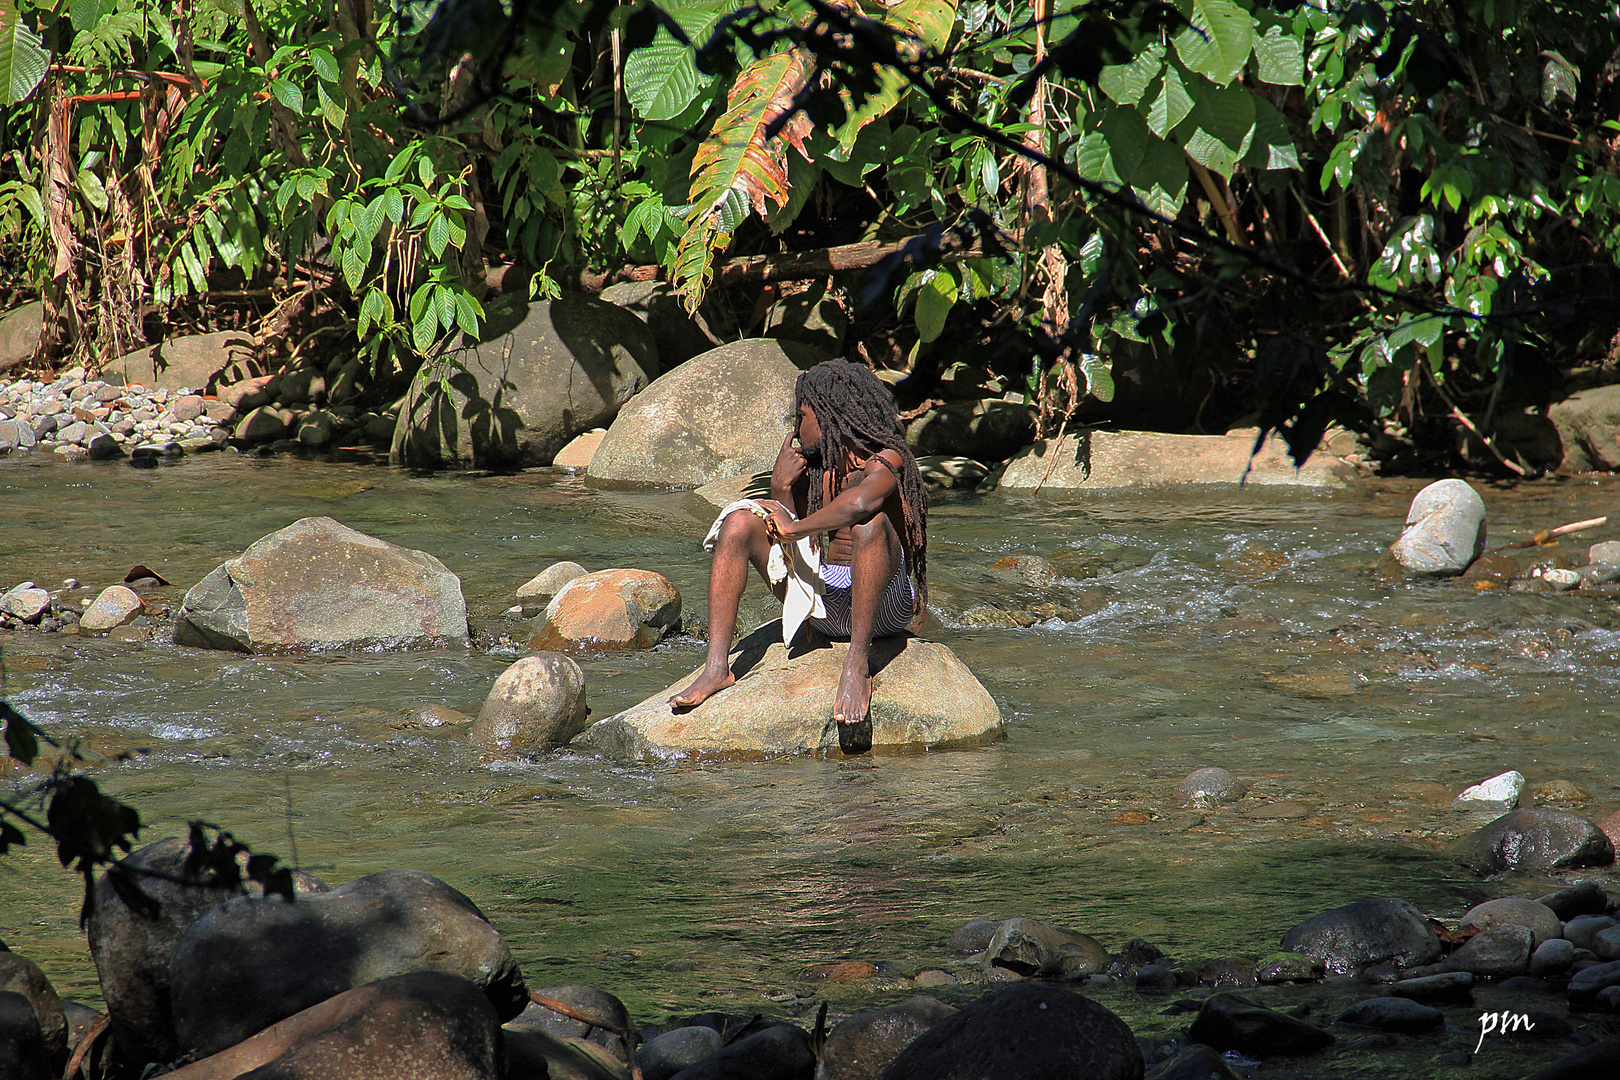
(789, 469)
(779, 525)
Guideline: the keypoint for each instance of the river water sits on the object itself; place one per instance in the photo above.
(1248, 628)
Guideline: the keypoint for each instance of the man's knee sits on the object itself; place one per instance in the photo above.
(740, 525)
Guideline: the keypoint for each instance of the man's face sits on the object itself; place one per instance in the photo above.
(807, 429)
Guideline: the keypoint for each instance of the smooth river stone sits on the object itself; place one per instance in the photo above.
(922, 697)
(1503, 790)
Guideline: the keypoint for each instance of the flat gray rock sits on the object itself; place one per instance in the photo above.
(1129, 459)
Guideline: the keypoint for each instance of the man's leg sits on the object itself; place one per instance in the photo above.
(742, 541)
(872, 565)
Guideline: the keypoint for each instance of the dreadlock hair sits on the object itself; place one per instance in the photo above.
(857, 417)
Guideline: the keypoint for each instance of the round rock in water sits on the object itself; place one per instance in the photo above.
(1041, 950)
(1210, 784)
(319, 583)
(669, 1053)
(610, 609)
(251, 962)
(537, 703)
(1376, 931)
(1534, 841)
(1582, 930)
(1445, 529)
(1514, 911)
(1498, 953)
(973, 936)
(1027, 1031)
(26, 603)
(117, 605)
(584, 1000)
(549, 582)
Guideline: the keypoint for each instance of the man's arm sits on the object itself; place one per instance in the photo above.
(858, 503)
(788, 473)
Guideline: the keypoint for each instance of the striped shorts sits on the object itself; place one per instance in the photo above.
(895, 609)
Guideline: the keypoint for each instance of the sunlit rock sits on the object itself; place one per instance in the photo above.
(1501, 790)
(1366, 932)
(318, 583)
(117, 605)
(610, 609)
(717, 415)
(922, 696)
(1445, 530)
(538, 702)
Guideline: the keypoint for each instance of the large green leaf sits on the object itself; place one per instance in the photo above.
(1171, 102)
(1125, 83)
(935, 299)
(1273, 145)
(661, 78)
(23, 60)
(1160, 179)
(1280, 58)
(1128, 138)
(1218, 43)
(1220, 127)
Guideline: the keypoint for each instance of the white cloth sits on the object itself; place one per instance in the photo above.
(797, 563)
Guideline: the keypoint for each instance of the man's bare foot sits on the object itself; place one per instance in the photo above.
(704, 687)
(854, 700)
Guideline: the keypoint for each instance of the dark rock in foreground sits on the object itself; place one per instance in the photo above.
(251, 962)
(319, 583)
(1229, 1022)
(1385, 929)
(425, 1026)
(861, 1047)
(133, 951)
(1028, 1031)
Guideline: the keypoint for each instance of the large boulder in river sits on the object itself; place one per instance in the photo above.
(1445, 529)
(922, 696)
(132, 949)
(1534, 842)
(610, 609)
(537, 703)
(1588, 425)
(253, 961)
(19, 333)
(422, 1026)
(1130, 459)
(717, 415)
(987, 430)
(1366, 932)
(319, 583)
(539, 375)
(1027, 1032)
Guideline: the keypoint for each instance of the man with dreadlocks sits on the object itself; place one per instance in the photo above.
(854, 488)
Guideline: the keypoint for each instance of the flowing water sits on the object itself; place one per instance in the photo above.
(1249, 628)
